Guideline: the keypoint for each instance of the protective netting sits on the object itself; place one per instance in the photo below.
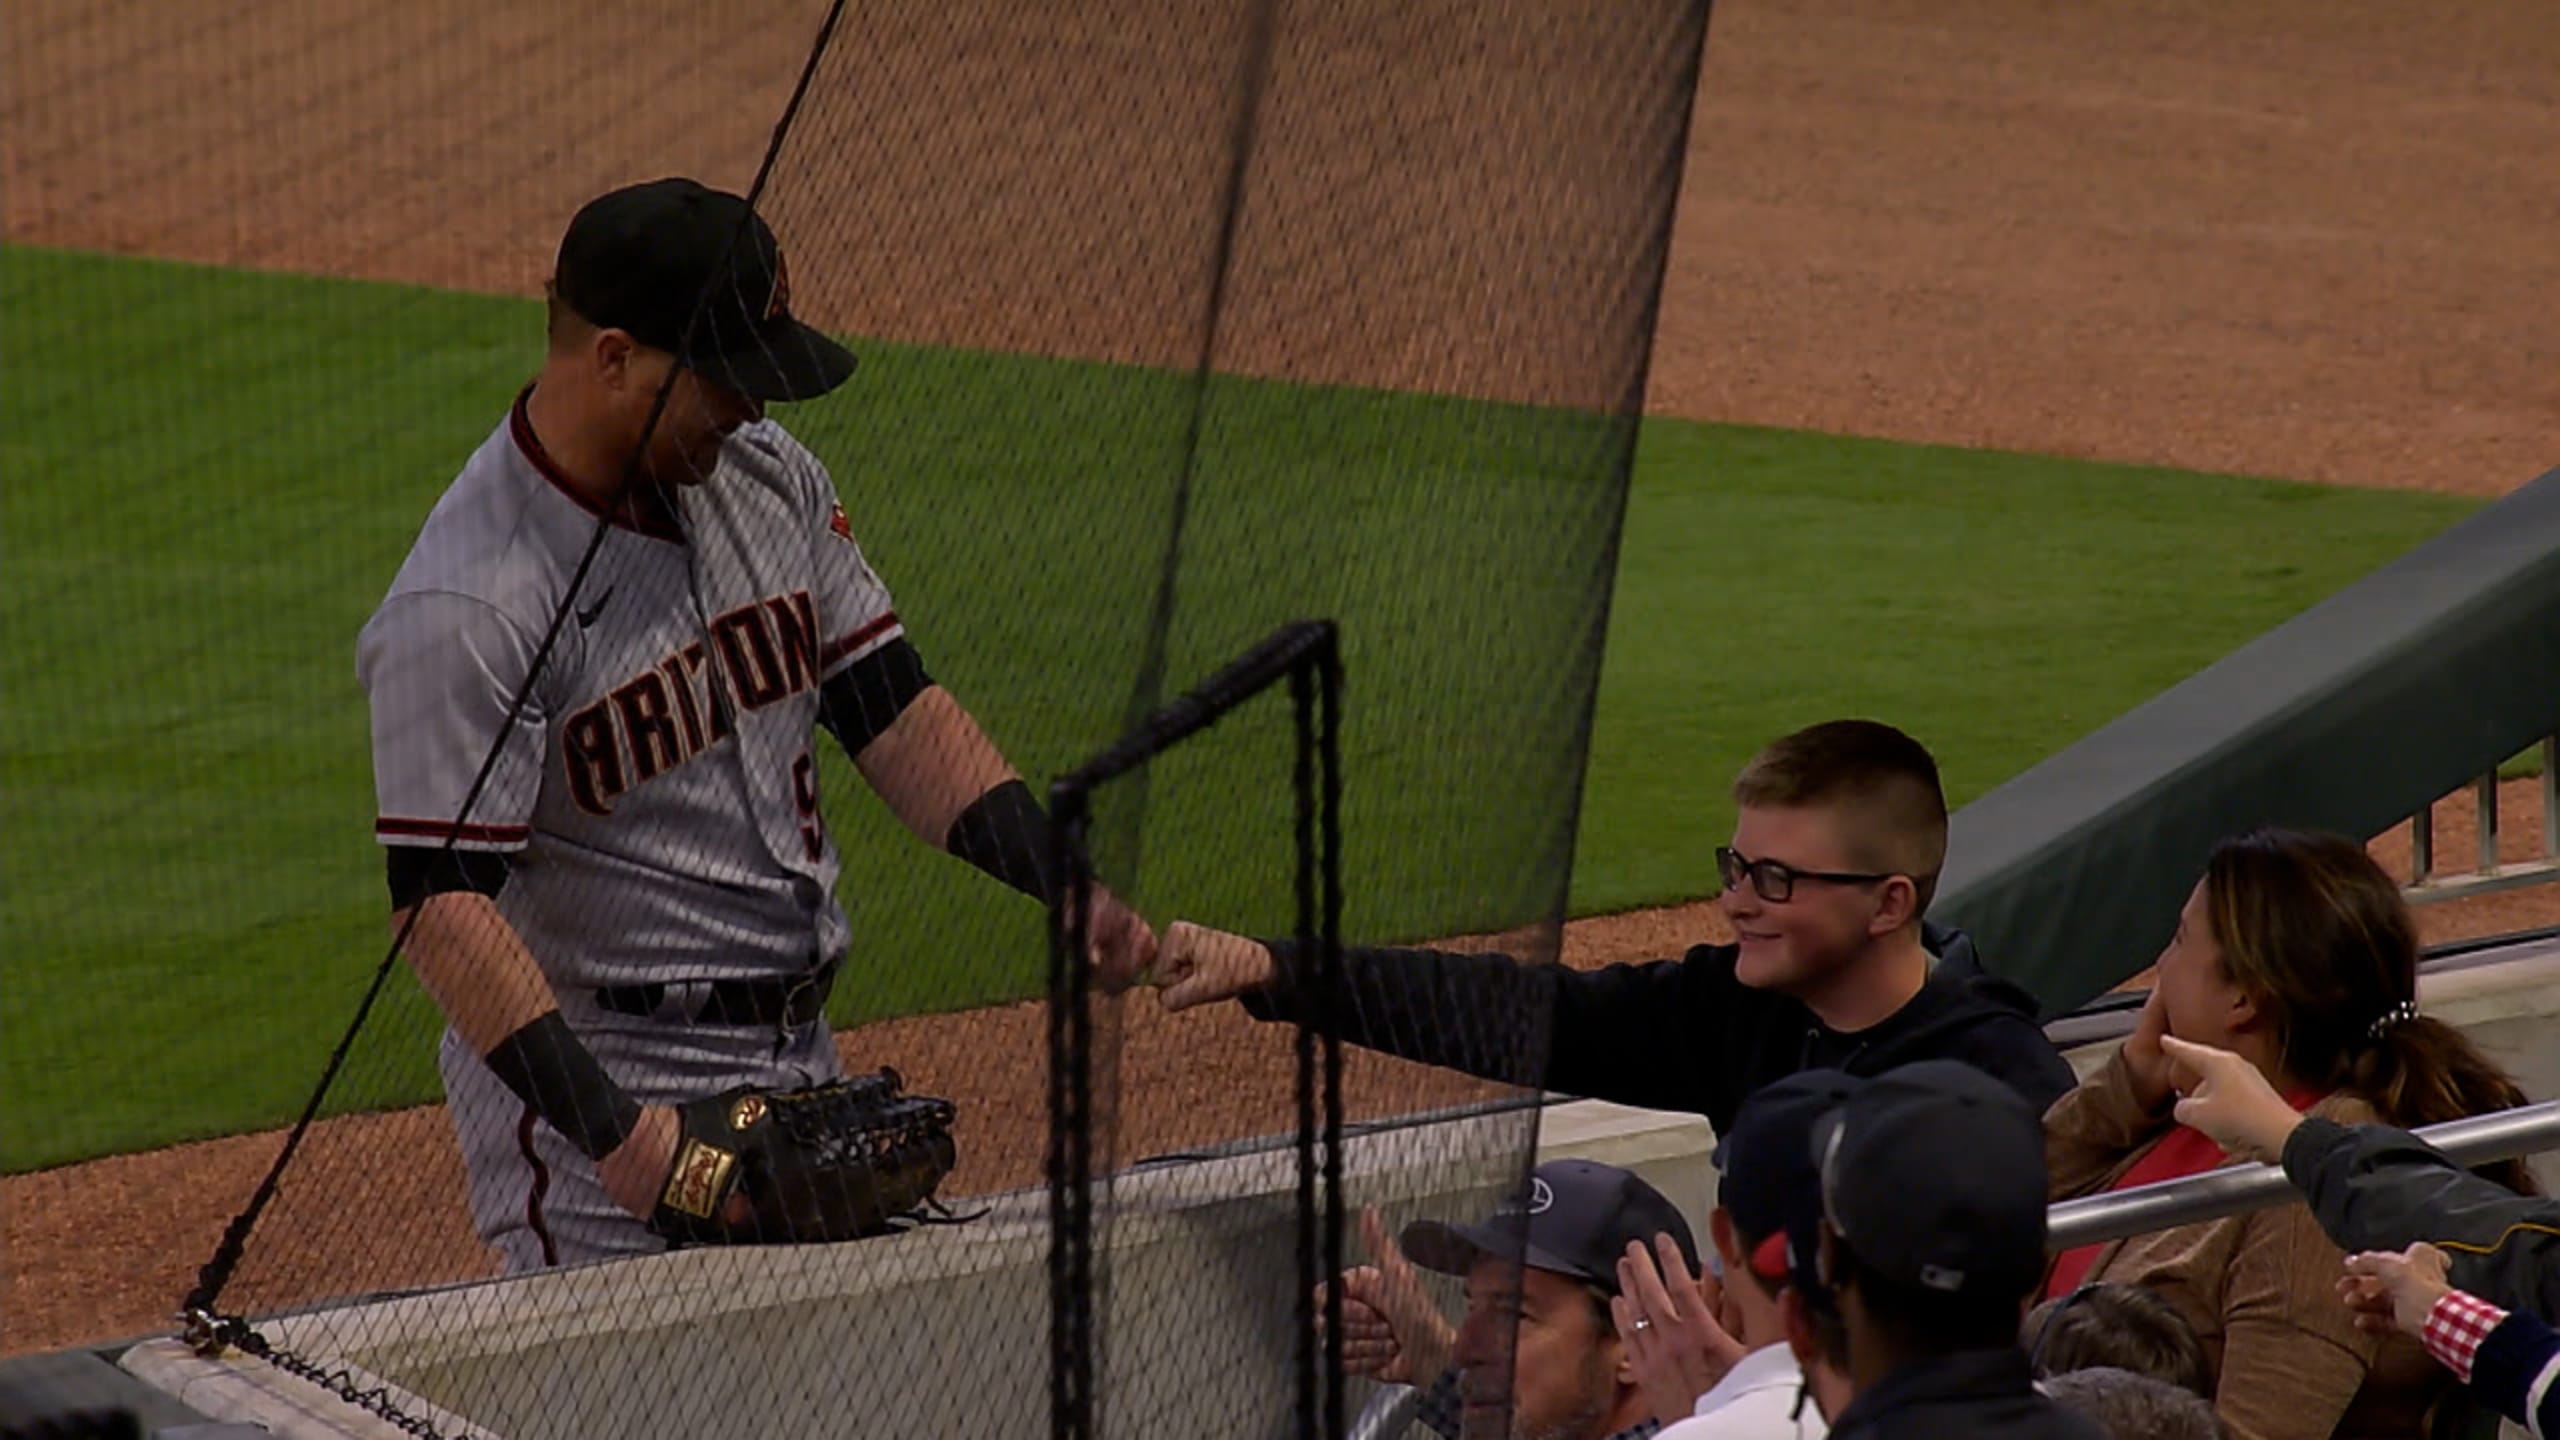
(1176, 323)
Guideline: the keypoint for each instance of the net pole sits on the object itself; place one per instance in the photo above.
(1327, 662)
(1311, 1407)
(1070, 1153)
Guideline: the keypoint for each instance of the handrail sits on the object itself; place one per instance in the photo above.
(2166, 1204)
(2426, 885)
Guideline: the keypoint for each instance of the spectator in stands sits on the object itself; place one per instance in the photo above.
(1931, 1239)
(1737, 1381)
(2377, 1187)
(2298, 952)
(1835, 854)
(1537, 1341)
(2381, 1187)
(2122, 1327)
(2130, 1406)
(2510, 1359)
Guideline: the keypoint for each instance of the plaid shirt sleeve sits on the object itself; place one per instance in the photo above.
(2455, 1328)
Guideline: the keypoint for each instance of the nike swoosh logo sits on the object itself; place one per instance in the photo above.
(587, 617)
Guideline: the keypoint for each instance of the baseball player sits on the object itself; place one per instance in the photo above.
(638, 908)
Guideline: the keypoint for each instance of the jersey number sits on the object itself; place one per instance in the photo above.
(804, 794)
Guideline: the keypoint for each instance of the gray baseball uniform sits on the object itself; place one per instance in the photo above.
(657, 797)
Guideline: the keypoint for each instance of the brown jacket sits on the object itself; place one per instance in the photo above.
(2260, 1289)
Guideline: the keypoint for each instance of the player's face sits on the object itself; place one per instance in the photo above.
(683, 446)
(1543, 1329)
(2204, 1006)
(1793, 945)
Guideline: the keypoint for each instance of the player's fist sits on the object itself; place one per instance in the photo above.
(1122, 943)
(1196, 965)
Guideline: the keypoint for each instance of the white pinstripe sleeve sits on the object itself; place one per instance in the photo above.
(440, 671)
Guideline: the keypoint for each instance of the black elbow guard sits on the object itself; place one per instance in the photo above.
(550, 1069)
(1005, 833)
(859, 703)
(418, 871)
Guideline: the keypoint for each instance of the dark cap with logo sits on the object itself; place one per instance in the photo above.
(1933, 1175)
(644, 258)
(1769, 1182)
(1576, 1219)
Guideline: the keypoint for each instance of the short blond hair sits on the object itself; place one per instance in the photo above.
(1884, 783)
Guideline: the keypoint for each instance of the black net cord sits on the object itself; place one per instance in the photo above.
(1070, 1153)
(1316, 704)
(1253, 75)
(197, 1310)
(1302, 781)
(1328, 662)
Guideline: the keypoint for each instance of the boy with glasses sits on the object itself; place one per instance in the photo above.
(1835, 854)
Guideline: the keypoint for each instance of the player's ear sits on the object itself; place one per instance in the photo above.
(614, 351)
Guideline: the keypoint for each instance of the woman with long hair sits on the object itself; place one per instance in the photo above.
(2297, 951)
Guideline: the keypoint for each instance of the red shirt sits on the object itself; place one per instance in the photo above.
(2183, 1151)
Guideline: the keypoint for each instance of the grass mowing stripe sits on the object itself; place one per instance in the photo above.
(193, 897)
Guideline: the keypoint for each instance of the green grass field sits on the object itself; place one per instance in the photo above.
(211, 476)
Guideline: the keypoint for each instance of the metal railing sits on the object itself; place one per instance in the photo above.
(2166, 1204)
(2425, 886)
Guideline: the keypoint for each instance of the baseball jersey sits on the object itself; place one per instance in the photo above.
(657, 795)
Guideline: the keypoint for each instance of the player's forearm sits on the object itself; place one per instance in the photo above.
(932, 765)
(470, 959)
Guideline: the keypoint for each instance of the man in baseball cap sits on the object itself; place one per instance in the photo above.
(671, 329)
(1930, 1243)
(1538, 1342)
(1769, 1188)
(693, 271)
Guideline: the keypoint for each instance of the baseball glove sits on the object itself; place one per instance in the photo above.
(839, 1161)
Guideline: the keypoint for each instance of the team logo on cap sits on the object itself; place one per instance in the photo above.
(1540, 1199)
(780, 299)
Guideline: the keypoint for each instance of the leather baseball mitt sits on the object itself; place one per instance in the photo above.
(838, 1161)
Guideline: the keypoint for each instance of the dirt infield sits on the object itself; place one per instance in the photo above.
(2303, 241)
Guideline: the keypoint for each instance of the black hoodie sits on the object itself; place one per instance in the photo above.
(1973, 1394)
(1682, 1034)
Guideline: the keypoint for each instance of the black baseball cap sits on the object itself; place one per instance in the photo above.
(644, 257)
(1576, 1218)
(1933, 1176)
(1770, 1184)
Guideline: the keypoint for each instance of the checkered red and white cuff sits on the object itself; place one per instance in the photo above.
(2455, 1328)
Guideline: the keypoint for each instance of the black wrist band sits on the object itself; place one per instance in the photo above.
(551, 1070)
(1005, 833)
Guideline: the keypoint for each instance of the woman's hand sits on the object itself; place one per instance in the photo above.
(2144, 1060)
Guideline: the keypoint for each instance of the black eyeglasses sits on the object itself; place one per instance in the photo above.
(1775, 880)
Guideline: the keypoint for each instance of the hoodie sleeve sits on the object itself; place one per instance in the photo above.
(1667, 1035)
(2011, 1046)
(2378, 1188)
